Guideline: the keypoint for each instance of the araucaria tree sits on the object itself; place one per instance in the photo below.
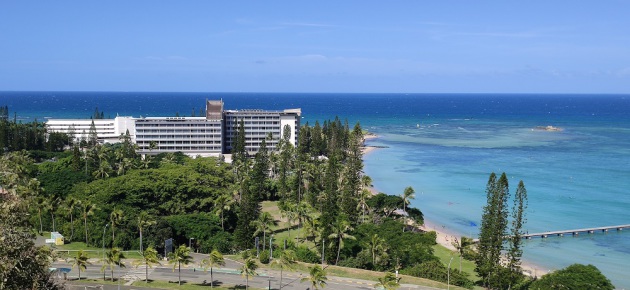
(494, 230)
(515, 250)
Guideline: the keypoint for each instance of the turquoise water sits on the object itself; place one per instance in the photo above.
(445, 146)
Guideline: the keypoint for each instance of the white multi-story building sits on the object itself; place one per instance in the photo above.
(211, 135)
(107, 130)
(259, 125)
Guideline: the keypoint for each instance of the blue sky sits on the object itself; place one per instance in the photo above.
(316, 46)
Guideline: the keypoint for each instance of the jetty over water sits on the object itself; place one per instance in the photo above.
(574, 233)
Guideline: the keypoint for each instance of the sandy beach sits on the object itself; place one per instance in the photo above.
(444, 237)
(368, 149)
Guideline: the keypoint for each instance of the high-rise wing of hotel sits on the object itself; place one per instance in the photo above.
(211, 135)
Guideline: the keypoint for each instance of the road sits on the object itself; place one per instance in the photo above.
(227, 275)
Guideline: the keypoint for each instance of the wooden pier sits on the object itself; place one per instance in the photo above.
(574, 233)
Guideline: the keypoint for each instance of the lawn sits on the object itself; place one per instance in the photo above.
(186, 286)
(70, 249)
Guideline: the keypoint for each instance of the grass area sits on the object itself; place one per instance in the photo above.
(70, 249)
(281, 231)
(445, 255)
(186, 286)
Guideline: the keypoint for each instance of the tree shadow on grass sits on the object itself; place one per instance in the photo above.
(207, 283)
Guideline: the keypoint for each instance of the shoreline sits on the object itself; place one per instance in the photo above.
(366, 149)
(444, 236)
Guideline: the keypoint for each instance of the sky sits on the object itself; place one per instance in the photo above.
(316, 46)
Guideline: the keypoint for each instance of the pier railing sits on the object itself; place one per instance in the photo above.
(575, 232)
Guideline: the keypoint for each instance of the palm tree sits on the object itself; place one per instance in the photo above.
(288, 212)
(388, 282)
(113, 258)
(214, 259)
(144, 220)
(222, 204)
(262, 224)
(301, 215)
(180, 256)
(461, 247)
(103, 170)
(341, 230)
(364, 195)
(116, 218)
(317, 277)
(42, 205)
(377, 247)
(286, 261)
(248, 269)
(80, 261)
(70, 206)
(52, 206)
(311, 228)
(149, 258)
(88, 209)
(407, 195)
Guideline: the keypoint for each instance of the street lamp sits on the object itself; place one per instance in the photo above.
(448, 281)
(104, 228)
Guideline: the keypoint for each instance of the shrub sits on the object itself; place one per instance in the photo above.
(304, 254)
(264, 257)
(435, 270)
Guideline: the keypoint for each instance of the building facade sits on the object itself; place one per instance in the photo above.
(259, 125)
(211, 135)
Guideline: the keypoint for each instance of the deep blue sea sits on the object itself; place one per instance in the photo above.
(445, 146)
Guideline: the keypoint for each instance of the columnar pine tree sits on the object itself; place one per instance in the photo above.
(330, 207)
(352, 175)
(494, 231)
(253, 190)
(92, 136)
(515, 251)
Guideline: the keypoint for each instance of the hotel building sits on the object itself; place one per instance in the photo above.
(211, 135)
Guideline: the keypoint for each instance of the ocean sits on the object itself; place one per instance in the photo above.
(445, 146)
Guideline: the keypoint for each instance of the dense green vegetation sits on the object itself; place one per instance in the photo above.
(22, 264)
(576, 276)
(109, 195)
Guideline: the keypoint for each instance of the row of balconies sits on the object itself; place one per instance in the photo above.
(188, 148)
(176, 138)
(178, 131)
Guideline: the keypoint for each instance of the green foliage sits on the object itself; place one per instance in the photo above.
(388, 282)
(316, 276)
(403, 248)
(248, 269)
(113, 258)
(264, 257)
(149, 258)
(493, 232)
(306, 255)
(437, 271)
(180, 256)
(214, 259)
(576, 276)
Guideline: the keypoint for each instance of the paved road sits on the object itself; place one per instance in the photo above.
(228, 275)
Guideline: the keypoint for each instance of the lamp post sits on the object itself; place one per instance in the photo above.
(448, 281)
(104, 228)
